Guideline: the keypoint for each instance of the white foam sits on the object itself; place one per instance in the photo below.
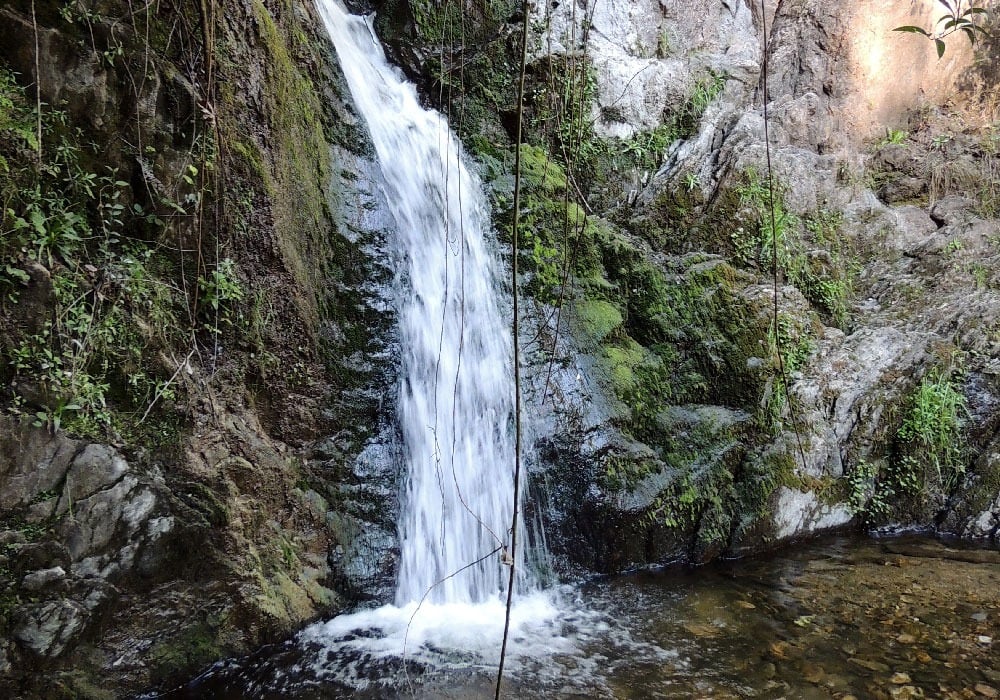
(553, 642)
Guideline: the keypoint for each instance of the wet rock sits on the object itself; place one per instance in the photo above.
(986, 523)
(870, 664)
(41, 555)
(41, 511)
(12, 537)
(117, 514)
(798, 512)
(97, 467)
(72, 77)
(31, 462)
(156, 550)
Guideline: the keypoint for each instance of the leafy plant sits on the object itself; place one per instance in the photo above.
(861, 487)
(893, 136)
(796, 346)
(761, 237)
(220, 289)
(663, 44)
(957, 18)
(933, 425)
(706, 89)
(93, 358)
(940, 141)
(980, 274)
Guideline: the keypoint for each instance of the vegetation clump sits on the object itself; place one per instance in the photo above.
(75, 243)
(928, 455)
(931, 433)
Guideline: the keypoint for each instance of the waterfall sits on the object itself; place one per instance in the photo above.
(455, 396)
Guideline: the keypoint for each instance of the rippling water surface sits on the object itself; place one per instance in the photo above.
(892, 618)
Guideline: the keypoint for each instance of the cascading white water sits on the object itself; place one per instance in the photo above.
(455, 405)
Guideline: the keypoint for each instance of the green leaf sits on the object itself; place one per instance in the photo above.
(17, 274)
(912, 30)
(940, 47)
(37, 220)
(976, 11)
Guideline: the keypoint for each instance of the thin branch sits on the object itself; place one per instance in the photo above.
(161, 390)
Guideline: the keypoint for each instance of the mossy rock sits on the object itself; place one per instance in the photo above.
(595, 319)
(540, 171)
(621, 363)
(195, 646)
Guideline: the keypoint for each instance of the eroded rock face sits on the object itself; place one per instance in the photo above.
(210, 534)
(647, 56)
(48, 628)
(858, 135)
(89, 522)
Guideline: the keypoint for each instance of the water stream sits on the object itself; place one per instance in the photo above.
(836, 619)
(455, 412)
(455, 408)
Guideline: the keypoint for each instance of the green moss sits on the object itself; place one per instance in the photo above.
(557, 240)
(204, 500)
(298, 174)
(541, 172)
(622, 361)
(596, 319)
(77, 685)
(983, 487)
(563, 90)
(826, 272)
(195, 646)
(252, 157)
(811, 251)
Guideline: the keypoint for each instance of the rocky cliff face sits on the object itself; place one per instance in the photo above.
(681, 410)
(882, 157)
(190, 287)
(884, 323)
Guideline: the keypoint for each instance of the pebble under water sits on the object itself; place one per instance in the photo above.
(838, 618)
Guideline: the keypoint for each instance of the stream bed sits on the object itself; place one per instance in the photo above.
(901, 617)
